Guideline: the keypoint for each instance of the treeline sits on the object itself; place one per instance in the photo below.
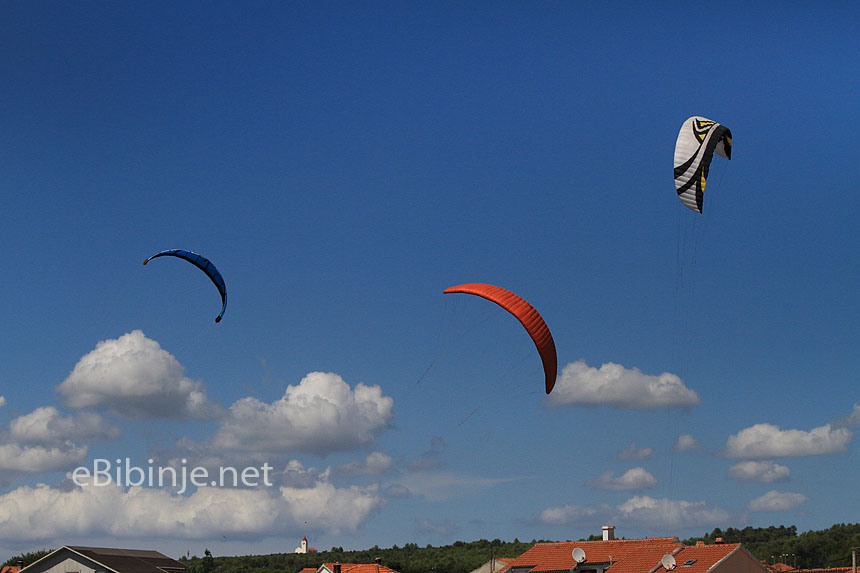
(809, 550)
(812, 549)
(461, 557)
(27, 558)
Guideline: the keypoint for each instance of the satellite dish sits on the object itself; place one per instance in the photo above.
(668, 562)
(578, 554)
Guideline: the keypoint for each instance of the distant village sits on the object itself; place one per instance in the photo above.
(645, 555)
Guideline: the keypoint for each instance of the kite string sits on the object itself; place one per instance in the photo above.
(450, 334)
(455, 341)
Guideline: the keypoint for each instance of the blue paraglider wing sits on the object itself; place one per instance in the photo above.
(204, 265)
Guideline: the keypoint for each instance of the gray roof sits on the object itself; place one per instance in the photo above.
(130, 560)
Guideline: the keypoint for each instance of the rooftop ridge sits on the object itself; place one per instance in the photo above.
(669, 539)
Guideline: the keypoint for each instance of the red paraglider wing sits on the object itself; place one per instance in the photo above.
(527, 315)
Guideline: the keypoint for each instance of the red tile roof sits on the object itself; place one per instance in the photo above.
(628, 556)
(824, 570)
(701, 558)
(557, 556)
(360, 568)
(782, 567)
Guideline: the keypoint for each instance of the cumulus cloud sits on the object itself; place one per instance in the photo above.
(759, 471)
(397, 490)
(374, 464)
(632, 453)
(2, 401)
(46, 426)
(634, 479)
(686, 443)
(619, 387)
(442, 485)
(330, 508)
(296, 475)
(322, 414)
(768, 441)
(678, 514)
(446, 529)
(776, 501)
(137, 512)
(852, 419)
(134, 377)
(431, 459)
(38, 459)
(640, 510)
(572, 514)
(43, 440)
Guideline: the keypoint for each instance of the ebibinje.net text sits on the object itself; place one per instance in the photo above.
(124, 473)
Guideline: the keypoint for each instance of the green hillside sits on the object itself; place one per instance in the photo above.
(812, 549)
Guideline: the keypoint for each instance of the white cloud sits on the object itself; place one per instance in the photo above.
(634, 479)
(296, 475)
(768, 441)
(38, 459)
(619, 387)
(442, 485)
(396, 490)
(760, 471)
(134, 377)
(139, 512)
(677, 514)
(431, 459)
(640, 510)
(852, 419)
(686, 443)
(42, 440)
(46, 425)
(570, 514)
(320, 415)
(330, 508)
(2, 401)
(374, 464)
(446, 529)
(632, 453)
(776, 501)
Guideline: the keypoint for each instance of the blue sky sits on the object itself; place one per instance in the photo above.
(342, 164)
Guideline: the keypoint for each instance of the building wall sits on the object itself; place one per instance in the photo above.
(740, 562)
(498, 564)
(64, 562)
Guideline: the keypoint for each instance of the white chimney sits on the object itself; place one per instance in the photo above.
(608, 532)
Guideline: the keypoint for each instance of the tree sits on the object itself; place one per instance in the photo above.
(28, 558)
(207, 564)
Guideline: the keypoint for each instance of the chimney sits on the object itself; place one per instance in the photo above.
(337, 568)
(608, 532)
(718, 541)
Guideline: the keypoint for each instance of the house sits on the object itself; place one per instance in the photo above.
(79, 559)
(494, 565)
(649, 555)
(350, 568)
